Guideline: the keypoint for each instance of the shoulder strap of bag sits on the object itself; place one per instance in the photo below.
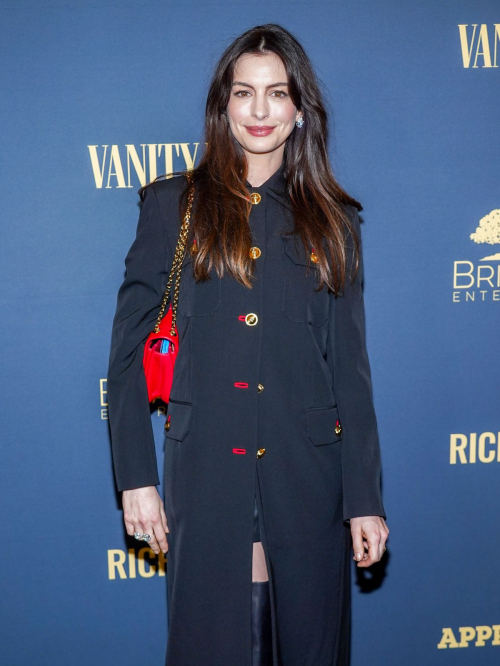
(177, 263)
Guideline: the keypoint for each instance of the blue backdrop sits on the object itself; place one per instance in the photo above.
(99, 97)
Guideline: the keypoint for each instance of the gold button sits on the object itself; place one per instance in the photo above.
(338, 430)
(167, 425)
(255, 252)
(314, 257)
(260, 388)
(251, 319)
(260, 453)
(255, 198)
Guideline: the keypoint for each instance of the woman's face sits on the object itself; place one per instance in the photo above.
(260, 112)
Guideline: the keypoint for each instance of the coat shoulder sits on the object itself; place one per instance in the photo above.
(353, 214)
(168, 192)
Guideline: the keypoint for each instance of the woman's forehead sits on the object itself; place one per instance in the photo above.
(266, 65)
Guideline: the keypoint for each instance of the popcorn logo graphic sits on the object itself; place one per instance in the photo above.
(488, 231)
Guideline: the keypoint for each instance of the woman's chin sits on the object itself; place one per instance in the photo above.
(260, 146)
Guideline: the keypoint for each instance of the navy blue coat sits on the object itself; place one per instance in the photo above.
(282, 383)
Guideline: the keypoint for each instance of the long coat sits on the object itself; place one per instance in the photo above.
(277, 405)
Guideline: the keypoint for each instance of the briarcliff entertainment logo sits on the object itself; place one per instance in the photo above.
(478, 45)
(116, 167)
(103, 400)
(161, 408)
(478, 636)
(472, 448)
(479, 280)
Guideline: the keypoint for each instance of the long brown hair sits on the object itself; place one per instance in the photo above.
(221, 209)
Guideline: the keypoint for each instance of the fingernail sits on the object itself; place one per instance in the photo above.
(358, 556)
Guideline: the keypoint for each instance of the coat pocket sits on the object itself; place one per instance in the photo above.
(301, 301)
(323, 425)
(179, 415)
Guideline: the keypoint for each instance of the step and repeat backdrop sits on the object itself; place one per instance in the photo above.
(100, 97)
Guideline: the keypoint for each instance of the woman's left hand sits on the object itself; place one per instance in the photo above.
(368, 532)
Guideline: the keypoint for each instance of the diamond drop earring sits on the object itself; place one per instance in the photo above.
(300, 122)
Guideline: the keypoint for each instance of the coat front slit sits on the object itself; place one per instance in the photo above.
(291, 381)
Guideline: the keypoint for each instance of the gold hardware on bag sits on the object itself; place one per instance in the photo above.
(177, 263)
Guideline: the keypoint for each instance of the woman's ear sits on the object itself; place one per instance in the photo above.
(299, 119)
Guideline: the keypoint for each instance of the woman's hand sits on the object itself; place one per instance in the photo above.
(143, 511)
(368, 532)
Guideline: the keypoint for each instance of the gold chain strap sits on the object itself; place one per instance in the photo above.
(177, 264)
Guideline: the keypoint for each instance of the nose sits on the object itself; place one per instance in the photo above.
(260, 107)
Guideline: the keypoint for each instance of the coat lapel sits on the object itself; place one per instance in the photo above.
(280, 196)
(276, 187)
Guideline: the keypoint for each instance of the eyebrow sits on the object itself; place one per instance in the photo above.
(271, 85)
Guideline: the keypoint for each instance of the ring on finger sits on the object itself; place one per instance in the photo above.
(142, 537)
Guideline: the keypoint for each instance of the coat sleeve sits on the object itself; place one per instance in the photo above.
(350, 366)
(138, 303)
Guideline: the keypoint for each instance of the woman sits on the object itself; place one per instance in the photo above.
(272, 451)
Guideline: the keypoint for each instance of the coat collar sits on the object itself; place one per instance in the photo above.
(275, 186)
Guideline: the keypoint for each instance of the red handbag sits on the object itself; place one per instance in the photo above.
(161, 347)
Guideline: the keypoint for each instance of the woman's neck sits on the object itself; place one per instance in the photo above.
(262, 167)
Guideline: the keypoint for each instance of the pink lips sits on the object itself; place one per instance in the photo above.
(259, 130)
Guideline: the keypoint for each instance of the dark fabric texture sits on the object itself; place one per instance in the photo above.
(256, 529)
(308, 352)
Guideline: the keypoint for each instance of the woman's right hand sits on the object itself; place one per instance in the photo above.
(143, 511)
